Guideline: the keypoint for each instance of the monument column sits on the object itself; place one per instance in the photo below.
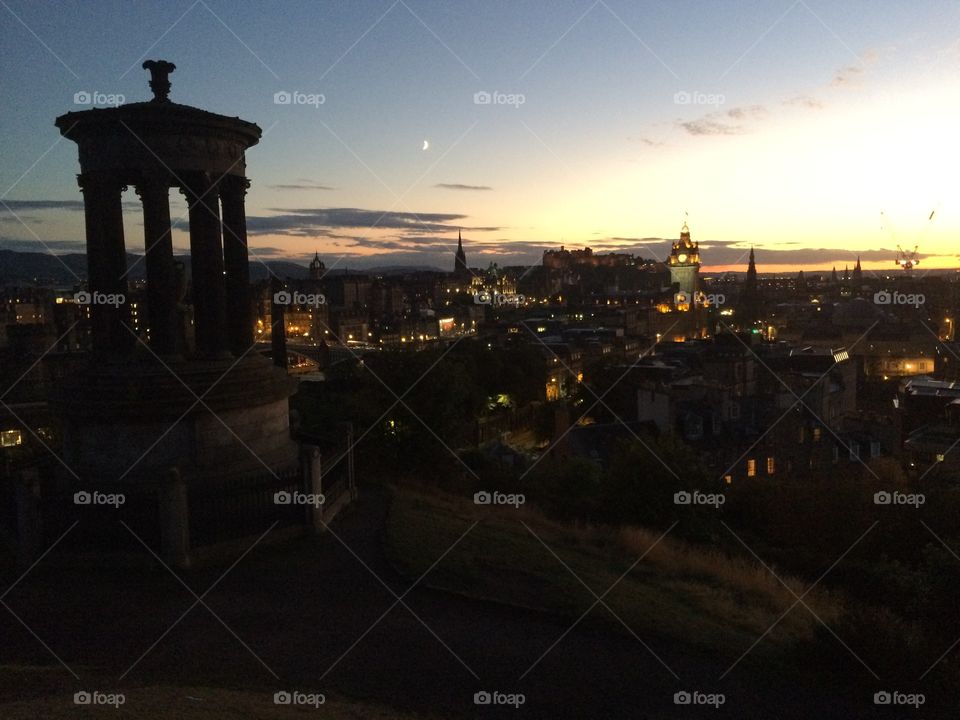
(154, 190)
(236, 261)
(106, 263)
(206, 255)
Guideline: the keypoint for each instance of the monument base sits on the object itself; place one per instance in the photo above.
(207, 418)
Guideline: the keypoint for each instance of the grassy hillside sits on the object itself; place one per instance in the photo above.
(677, 592)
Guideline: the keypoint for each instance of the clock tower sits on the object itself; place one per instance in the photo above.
(684, 264)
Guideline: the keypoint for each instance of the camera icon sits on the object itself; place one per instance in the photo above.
(82, 98)
(682, 698)
(282, 298)
(282, 497)
(282, 698)
(482, 698)
(482, 498)
(682, 498)
(82, 498)
(882, 297)
(882, 698)
(82, 698)
(82, 297)
(882, 498)
(482, 98)
(282, 98)
(682, 98)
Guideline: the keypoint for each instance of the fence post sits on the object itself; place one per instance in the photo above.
(313, 480)
(29, 529)
(174, 520)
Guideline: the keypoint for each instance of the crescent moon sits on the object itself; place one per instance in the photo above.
(426, 144)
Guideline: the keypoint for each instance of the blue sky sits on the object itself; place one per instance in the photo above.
(785, 125)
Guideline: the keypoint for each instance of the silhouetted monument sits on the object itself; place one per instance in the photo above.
(213, 406)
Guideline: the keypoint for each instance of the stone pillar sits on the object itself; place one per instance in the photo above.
(106, 264)
(313, 481)
(236, 262)
(206, 256)
(348, 449)
(154, 192)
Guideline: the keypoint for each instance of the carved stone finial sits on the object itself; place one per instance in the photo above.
(159, 78)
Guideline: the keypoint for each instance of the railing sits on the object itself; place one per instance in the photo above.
(240, 507)
(173, 515)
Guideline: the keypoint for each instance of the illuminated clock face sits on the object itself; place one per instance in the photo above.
(682, 257)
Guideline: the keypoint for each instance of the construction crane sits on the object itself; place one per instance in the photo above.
(908, 259)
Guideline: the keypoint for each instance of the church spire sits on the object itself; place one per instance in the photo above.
(750, 302)
(460, 269)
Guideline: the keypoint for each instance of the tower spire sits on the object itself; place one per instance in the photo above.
(460, 269)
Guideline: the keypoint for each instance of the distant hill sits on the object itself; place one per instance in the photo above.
(47, 269)
(44, 268)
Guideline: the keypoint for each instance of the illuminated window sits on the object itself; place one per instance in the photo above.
(771, 466)
(728, 479)
(816, 434)
(751, 468)
(10, 438)
(939, 457)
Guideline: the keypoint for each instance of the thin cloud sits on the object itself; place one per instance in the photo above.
(852, 75)
(314, 221)
(849, 75)
(461, 186)
(17, 206)
(724, 122)
(804, 101)
(302, 186)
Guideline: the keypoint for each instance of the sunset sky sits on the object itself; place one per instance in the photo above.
(815, 131)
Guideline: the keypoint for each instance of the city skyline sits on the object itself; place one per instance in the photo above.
(812, 134)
